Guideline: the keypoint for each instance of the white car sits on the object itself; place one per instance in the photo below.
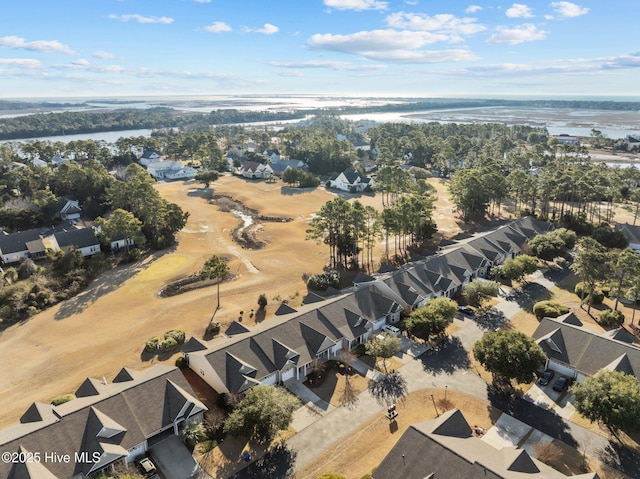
(388, 328)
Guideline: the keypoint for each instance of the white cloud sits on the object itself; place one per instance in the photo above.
(218, 27)
(442, 23)
(332, 65)
(104, 55)
(267, 29)
(473, 9)
(290, 73)
(390, 45)
(568, 9)
(85, 65)
(47, 46)
(358, 5)
(21, 62)
(140, 18)
(516, 35)
(519, 10)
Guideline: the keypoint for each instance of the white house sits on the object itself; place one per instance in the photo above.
(69, 209)
(17, 247)
(83, 239)
(149, 157)
(350, 180)
(253, 169)
(273, 155)
(170, 170)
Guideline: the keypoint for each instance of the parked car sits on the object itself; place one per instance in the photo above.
(561, 383)
(466, 310)
(147, 467)
(546, 377)
(388, 328)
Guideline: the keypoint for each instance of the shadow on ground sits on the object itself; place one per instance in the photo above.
(621, 458)
(531, 294)
(544, 420)
(276, 464)
(447, 358)
(491, 320)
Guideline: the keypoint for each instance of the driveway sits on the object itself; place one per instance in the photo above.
(174, 461)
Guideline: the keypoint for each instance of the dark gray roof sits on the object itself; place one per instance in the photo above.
(236, 328)
(585, 350)
(124, 375)
(353, 175)
(16, 242)
(312, 298)
(80, 238)
(38, 412)
(123, 416)
(89, 387)
(193, 344)
(284, 308)
(444, 448)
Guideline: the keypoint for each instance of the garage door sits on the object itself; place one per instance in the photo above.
(562, 369)
(289, 374)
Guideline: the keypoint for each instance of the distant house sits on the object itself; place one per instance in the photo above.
(16, 247)
(361, 145)
(69, 209)
(107, 425)
(149, 157)
(350, 180)
(170, 170)
(39, 162)
(281, 166)
(57, 160)
(253, 169)
(273, 155)
(565, 139)
(83, 239)
(446, 448)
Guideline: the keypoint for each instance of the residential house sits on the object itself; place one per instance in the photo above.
(281, 166)
(69, 209)
(361, 145)
(83, 239)
(291, 345)
(149, 157)
(446, 448)
(632, 233)
(39, 162)
(16, 247)
(577, 352)
(272, 155)
(107, 424)
(254, 170)
(57, 160)
(170, 170)
(565, 139)
(350, 180)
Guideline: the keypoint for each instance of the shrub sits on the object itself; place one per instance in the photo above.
(549, 309)
(182, 363)
(320, 282)
(212, 329)
(611, 319)
(606, 290)
(176, 334)
(262, 301)
(56, 401)
(27, 269)
(479, 289)
(151, 346)
(168, 344)
(360, 350)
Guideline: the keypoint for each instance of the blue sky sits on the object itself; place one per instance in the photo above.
(423, 48)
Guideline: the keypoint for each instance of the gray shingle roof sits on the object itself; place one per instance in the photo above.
(585, 350)
(119, 418)
(80, 238)
(444, 448)
(16, 242)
